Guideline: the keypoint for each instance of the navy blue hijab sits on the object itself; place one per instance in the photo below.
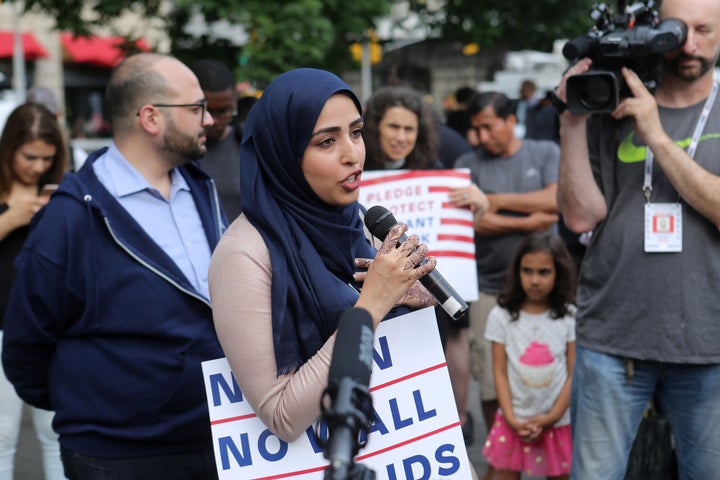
(312, 244)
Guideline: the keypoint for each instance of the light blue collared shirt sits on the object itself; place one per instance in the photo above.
(174, 225)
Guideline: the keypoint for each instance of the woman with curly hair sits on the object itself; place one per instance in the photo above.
(399, 131)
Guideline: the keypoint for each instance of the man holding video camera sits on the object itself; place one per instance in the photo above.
(645, 179)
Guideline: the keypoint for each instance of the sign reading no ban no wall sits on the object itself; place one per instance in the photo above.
(415, 435)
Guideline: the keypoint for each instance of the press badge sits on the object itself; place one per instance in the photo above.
(663, 227)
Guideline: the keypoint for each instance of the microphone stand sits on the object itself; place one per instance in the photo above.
(356, 472)
(352, 419)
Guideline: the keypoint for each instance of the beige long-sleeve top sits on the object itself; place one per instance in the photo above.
(240, 290)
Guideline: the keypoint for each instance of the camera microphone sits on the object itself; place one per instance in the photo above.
(578, 47)
(346, 403)
(379, 221)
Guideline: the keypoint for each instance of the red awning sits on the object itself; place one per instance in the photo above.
(32, 48)
(95, 50)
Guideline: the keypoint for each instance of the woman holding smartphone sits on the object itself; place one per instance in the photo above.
(33, 156)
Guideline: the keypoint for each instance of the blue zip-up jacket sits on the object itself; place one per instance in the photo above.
(104, 328)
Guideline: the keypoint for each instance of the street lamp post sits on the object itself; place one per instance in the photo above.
(366, 70)
(19, 78)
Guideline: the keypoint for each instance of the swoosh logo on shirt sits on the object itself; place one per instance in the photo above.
(628, 152)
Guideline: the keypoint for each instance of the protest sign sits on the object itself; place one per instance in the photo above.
(419, 198)
(415, 435)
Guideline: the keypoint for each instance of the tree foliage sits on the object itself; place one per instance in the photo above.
(507, 24)
(284, 34)
(71, 15)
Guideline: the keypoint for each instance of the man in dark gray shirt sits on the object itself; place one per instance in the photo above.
(222, 161)
(519, 178)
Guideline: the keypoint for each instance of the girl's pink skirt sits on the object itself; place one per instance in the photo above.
(550, 455)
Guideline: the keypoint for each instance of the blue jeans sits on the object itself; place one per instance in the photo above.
(606, 411)
(198, 465)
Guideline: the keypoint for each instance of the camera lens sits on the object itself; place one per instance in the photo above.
(596, 93)
(593, 92)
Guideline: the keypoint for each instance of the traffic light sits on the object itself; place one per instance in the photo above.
(356, 49)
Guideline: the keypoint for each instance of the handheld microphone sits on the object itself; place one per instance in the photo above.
(379, 221)
(346, 403)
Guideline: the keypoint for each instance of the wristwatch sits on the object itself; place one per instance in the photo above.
(559, 105)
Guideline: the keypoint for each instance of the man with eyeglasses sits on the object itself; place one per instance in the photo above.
(222, 161)
(109, 319)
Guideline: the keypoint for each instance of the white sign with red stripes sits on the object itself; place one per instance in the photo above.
(419, 198)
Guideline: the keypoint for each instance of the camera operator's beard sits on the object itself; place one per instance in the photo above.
(672, 66)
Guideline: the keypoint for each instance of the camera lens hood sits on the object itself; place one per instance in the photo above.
(595, 91)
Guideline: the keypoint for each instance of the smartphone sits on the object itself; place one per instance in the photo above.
(48, 189)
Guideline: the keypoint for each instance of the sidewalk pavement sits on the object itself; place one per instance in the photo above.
(28, 461)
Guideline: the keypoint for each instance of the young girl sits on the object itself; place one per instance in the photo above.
(532, 330)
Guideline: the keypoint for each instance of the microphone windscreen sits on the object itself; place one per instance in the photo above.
(353, 351)
(379, 221)
(578, 47)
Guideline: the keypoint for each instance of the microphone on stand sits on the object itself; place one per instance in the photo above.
(379, 221)
(346, 403)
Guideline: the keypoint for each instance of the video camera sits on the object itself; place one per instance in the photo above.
(634, 38)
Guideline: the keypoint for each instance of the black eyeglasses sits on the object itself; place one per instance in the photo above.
(201, 105)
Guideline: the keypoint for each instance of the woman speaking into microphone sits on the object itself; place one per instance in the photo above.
(286, 269)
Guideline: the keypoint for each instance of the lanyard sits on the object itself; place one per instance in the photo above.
(699, 127)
